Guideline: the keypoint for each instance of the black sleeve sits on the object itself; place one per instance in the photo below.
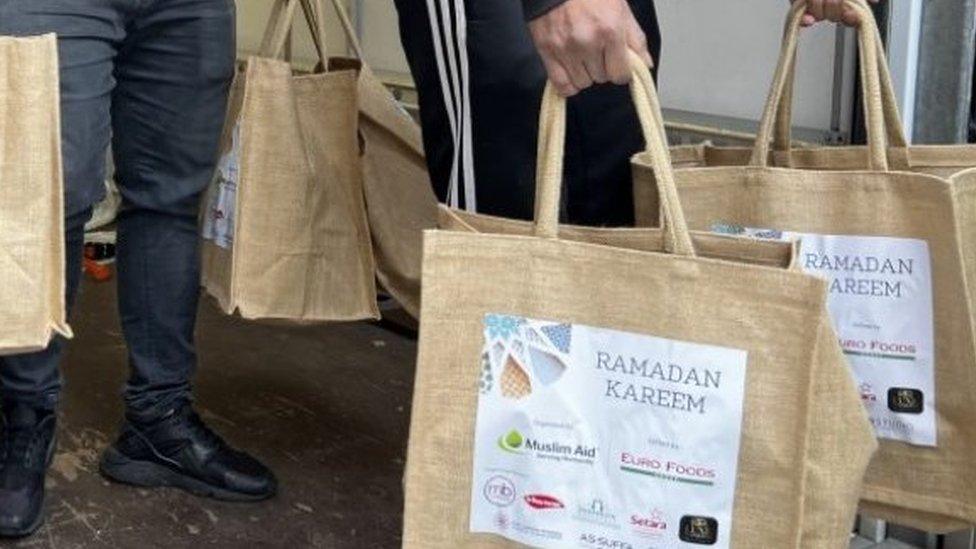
(535, 8)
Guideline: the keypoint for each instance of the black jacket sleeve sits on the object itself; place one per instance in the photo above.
(535, 8)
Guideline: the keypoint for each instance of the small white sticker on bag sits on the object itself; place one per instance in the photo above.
(880, 300)
(590, 437)
(218, 221)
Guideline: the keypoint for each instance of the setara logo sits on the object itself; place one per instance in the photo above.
(652, 525)
(512, 442)
(543, 501)
(698, 530)
(903, 400)
(499, 491)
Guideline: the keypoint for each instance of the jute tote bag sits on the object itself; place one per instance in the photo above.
(575, 393)
(284, 228)
(400, 201)
(32, 307)
(897, 248)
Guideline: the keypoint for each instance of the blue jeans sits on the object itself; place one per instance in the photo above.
(152, 78)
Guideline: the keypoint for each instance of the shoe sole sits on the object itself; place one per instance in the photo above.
(24, 532)
(117, 467)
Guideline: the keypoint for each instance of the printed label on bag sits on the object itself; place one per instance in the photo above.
(218, 223)
(589, 437)
(881, 303)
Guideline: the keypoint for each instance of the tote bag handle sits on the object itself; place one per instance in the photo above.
(318, 16)
(552, 139)
(894, 129)
(870, 77)
(280, 24)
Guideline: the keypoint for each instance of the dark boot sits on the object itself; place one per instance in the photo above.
(178, 450)
(26, 448)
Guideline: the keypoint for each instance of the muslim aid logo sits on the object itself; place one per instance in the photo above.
(558, 450)
(512, 442)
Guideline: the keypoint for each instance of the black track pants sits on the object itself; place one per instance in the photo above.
(480, 84)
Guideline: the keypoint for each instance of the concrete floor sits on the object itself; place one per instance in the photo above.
(326, 407)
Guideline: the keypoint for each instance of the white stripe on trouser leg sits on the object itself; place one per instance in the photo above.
(467, 145)
(438, 38)
(452, 53)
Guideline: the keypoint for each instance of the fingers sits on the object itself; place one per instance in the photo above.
(617, 63)
(851, 18)
(586, 52)
(816, 9)
(831, 10)
(583, 42)
(551, 44)
(595, 65)
(637, 41)
(559, 77)
(577, 72)
(834, 10)
(808, 18)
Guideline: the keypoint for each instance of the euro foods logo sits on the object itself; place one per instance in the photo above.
(512, 442)
(667, 470)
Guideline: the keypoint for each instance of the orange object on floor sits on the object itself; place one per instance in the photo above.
(97, 271)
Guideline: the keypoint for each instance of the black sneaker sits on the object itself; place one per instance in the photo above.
(179, 451)
(26, 448)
